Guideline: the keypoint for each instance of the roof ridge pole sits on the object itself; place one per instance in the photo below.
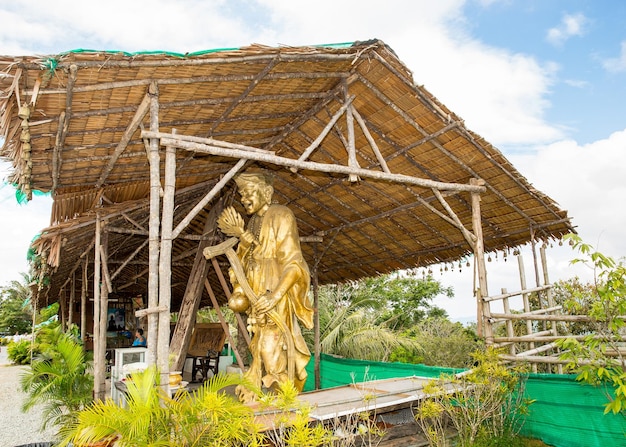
(483, 311)
(154, 223)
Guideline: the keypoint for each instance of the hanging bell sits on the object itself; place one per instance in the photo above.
(24, 112)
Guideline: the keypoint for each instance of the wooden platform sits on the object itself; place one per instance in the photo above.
(389, 402)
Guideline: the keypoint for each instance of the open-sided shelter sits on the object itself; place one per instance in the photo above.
(138, 151)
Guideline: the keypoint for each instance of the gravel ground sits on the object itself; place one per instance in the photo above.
(17, 428)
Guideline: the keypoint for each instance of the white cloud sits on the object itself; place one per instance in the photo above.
(571, 25)
(617, 64)
(588, 181)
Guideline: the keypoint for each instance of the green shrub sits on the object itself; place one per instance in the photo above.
(485, 409)
(58, 378)
(19, 352)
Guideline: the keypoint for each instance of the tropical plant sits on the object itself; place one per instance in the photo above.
(599, 359)
(58, 378)
(485, 405)
(351, 327)
(19, 352)
(443, 343)
(401, 298)
(151, 417)
(15, 310)
(292, 426)
(576, 298)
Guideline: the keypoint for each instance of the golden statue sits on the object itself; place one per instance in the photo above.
(275, 270)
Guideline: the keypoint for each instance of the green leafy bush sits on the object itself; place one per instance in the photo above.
(58, 378)
(19, 351)
(599, 359)
(485, 407)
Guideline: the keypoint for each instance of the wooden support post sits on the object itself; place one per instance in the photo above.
(193, 293)
(165, 265)
(352, 161)
(63, 307)
(83, 303)
(154, 224)
(483, 311)
(70, 306)
(316, 327)
(529, 323)
(99, 322)
(509, 324)
(551, 302)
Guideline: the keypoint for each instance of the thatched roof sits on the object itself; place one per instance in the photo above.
(81, 141)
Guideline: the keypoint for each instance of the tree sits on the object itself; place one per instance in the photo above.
(403, 299)
(364, 319)
(15, 309)
(443, 343)
(599, 359)
(576, 298)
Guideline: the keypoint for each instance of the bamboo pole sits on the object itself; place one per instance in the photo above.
(522, 278)
(70, 306)
(469, 237)
(535, 317)
(64, 124)
(208, 197)
(352, 161)
(483, 311)
(154, 224)
(168, 139)
(509, 324)
(129, 258)
(538, 350)
(165, 265)
(98, 357)
(519, 292)
(370, 140)
(551, 302)
(309, 150)
(83, 304)
(537, 336)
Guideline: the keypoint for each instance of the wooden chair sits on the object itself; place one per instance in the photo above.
(207, 342)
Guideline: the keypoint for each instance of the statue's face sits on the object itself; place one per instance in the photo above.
(254, 197)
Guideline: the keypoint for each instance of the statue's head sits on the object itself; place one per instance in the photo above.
(256, 190)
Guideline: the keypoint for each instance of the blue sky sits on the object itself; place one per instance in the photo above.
(583, 42)
(542, 80)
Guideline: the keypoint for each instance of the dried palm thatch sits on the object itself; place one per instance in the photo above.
(72, 124)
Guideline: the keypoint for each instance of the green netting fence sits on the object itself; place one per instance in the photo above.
(565, 413)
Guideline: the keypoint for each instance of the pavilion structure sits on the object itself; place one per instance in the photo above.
(139, 150)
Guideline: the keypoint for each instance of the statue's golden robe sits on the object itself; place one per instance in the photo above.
(278, 249)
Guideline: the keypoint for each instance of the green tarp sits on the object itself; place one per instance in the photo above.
(565, 413)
